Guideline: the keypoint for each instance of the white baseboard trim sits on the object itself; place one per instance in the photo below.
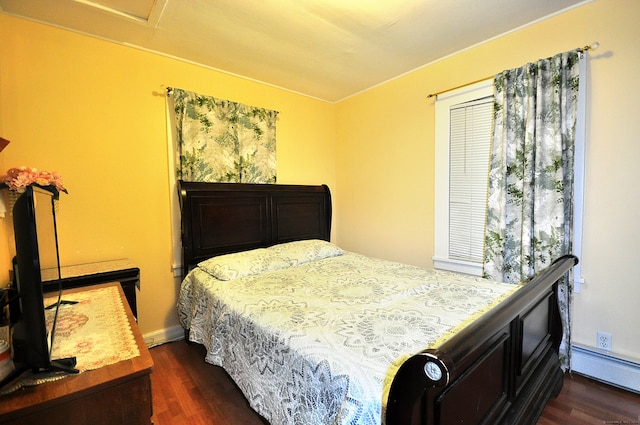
(175, 333)
(606, 367)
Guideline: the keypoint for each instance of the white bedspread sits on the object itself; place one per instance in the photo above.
(319, 343)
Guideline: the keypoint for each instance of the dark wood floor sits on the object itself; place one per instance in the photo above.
(186, 390)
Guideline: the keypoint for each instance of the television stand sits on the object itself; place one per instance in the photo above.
(64, 365)
(61, 302)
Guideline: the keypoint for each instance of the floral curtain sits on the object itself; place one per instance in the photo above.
(530, 210)
(223, 141)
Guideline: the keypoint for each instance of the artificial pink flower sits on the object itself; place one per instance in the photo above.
(19, 178)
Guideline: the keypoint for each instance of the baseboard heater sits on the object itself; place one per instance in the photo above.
(605, 367)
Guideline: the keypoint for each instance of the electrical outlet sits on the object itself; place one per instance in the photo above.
(604, 341)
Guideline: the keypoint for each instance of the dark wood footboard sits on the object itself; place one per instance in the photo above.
(501, 369)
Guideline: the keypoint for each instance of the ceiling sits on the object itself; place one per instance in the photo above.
(327, 49)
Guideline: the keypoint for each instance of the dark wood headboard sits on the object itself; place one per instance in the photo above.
(222, 218)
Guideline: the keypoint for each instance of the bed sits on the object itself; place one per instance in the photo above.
(290, 317)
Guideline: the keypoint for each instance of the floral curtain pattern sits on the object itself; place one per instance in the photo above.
(530, 209)
(223, 141)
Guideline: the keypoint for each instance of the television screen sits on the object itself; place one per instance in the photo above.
(30, 342)
(35, 234)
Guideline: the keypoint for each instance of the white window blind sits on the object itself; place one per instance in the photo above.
(469, 149)
(464, 118)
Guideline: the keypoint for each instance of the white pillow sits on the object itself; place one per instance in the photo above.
(261, 260)
(241, 264)
(300, 252)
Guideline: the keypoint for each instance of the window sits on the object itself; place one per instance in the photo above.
(464, 121)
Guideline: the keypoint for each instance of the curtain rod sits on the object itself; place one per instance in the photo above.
(592, 46)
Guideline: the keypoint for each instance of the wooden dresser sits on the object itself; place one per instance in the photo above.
(119, 393)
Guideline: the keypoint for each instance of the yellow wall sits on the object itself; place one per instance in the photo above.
(385, 159)
(95, 112)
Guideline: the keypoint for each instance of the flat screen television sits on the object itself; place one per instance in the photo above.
(36, 243)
